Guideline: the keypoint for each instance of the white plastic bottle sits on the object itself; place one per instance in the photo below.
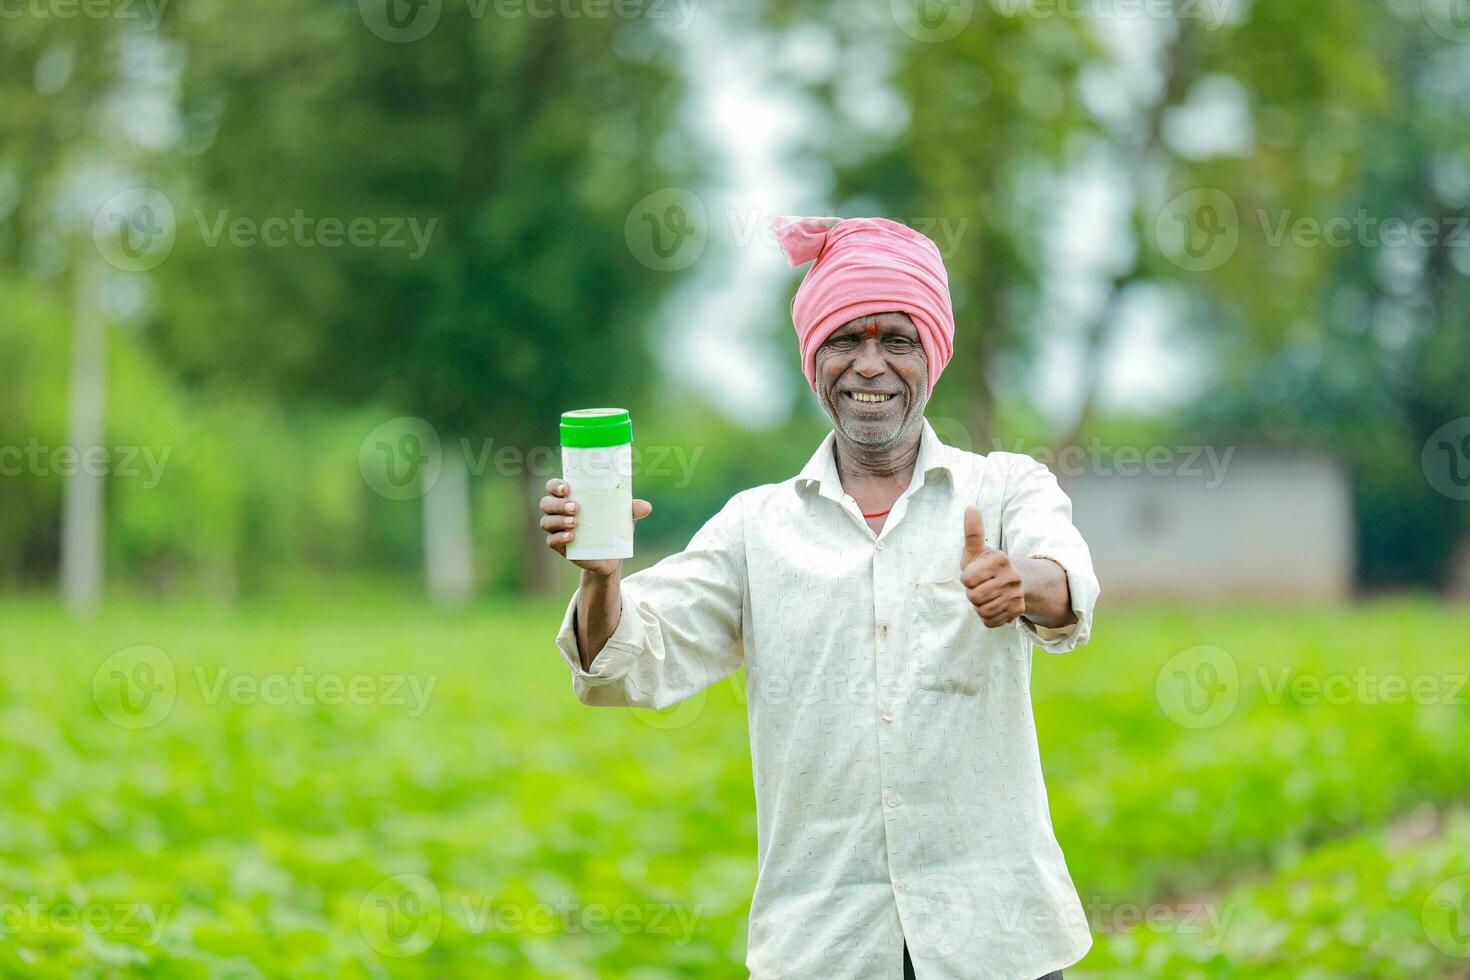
(597, 462)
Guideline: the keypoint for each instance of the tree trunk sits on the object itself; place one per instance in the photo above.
(82, 502)
(448, 553)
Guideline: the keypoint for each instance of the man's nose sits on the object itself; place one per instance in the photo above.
(869, 362)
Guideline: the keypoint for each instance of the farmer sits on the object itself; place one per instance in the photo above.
(884, 603)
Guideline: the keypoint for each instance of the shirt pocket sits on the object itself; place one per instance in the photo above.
(948, 637)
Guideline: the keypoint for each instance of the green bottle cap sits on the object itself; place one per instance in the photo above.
(590, 428)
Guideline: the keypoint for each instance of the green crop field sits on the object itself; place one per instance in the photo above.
(377, 789)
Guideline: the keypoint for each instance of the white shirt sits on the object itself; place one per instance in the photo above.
(898, 784)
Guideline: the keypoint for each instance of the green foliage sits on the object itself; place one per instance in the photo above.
(207, 491)
(1363, 906)
(262, 835)
(517, 144)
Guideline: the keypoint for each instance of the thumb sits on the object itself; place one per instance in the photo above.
(974, 535)
(641, 509)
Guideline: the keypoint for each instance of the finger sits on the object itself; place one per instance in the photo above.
(555, 543)
(988, 592)
(555, 505)
(997, 607)
(974, 536)
(989, 565)
(1005, 618)
(641, 509)
(996, 622)
(558, 522)
(557, 488)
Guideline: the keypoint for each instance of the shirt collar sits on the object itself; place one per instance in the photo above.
(821, 470)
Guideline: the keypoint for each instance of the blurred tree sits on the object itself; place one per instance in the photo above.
(1357, 335)
(1217, 126)
(59, 77)
(988, 107)
(491, 165)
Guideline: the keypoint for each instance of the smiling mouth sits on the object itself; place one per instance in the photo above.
(870, 398)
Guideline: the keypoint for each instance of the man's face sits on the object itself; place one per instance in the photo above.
(873, 377)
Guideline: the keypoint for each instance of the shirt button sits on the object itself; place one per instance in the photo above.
(892, 800)
(888, 716)
(879, 545)
(899, 886)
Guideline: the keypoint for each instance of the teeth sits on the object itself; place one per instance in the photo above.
(863, 396)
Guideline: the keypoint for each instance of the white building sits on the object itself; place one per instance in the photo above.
(1253, 524)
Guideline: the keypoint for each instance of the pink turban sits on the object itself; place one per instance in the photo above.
(864, 266)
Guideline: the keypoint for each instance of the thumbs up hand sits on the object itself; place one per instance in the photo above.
(992, 583)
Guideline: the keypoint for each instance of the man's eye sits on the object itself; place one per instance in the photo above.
(843, 343)
(899, 345)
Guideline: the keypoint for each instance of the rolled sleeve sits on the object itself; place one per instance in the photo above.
(1037, 523)
(679, 624)
(616, 657)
